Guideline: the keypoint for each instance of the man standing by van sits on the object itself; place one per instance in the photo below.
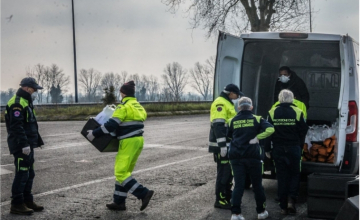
(23, 137)
(221, 112)
(288, 139)
(289, 80)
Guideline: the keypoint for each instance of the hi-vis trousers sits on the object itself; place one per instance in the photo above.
(126, 158)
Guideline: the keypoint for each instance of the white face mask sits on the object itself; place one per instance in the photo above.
(284, 79)
(34, 95)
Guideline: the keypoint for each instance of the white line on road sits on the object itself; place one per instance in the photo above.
(4, 171)
(7, 164)
(107, 178)
(55, 148)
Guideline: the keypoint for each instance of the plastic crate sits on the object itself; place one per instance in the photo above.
(328, 185)
(319, 207)
(105, 143)
(350, 209)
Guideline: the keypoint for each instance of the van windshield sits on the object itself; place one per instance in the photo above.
(316, 63)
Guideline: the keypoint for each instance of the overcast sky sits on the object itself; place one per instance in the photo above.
(121, 35)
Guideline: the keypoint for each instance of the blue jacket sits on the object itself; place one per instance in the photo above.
(244, 127)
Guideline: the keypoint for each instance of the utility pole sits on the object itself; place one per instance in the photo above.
(310, 16)
(74, 44)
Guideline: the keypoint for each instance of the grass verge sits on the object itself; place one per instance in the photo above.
(83, 113)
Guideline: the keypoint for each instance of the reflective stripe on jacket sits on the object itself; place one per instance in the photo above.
(244, 127)
(127, 120)
(21, 122)
(221, 112)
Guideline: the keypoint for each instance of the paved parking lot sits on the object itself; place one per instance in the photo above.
(75, 181)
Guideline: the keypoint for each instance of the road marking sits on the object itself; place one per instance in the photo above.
(299, 211)
(55, 148)
(4, 171)
(7, 164)
(55, 135)
(107, 178)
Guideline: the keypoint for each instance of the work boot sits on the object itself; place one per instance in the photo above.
(291, 207)
(146, 199)
(222, 204)
(118, 207)
(34, 206)
(20, 209)
(284, 211)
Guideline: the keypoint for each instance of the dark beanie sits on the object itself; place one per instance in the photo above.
(128, 88)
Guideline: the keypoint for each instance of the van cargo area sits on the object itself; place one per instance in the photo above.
(316, 63)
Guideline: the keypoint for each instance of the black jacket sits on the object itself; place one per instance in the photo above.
(290, 126)
(21, 124)
(244, 127)
(297, 86)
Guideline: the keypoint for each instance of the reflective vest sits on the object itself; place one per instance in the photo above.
(298, 104)
(221, 112)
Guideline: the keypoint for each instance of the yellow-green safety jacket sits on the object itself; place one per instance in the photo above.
(127, 120)
(298, 104)
(21, 124)
(221, 112)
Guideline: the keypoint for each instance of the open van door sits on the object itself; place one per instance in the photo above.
(343, 100)
(228, 62)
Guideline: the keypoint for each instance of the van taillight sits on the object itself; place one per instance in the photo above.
(352, 126)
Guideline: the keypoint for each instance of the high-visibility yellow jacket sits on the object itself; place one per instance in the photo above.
(221, 112)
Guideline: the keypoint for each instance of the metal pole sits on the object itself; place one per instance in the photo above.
(74, 44)
(310, 16)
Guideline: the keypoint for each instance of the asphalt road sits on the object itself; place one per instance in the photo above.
(75, 181)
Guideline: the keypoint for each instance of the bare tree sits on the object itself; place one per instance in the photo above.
(245, 15)
(202, 79)
(111, 79)
(175, 79)
(152, 88)
(124, 76)
(38, 73)
(90, 81)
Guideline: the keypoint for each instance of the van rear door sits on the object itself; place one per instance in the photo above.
(343, 99)
(228, 62)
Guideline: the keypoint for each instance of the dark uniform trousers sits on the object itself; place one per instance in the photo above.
(223, 179)
(254, 168)
(24, 176)
(288, 167)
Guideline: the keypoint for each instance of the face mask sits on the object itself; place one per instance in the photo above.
(284, 79)
(34, 95)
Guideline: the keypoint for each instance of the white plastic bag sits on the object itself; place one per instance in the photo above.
(320, 132)
(105, 115)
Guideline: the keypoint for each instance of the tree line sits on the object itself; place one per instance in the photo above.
(93, 84)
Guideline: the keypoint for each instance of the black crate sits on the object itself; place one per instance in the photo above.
(352, 188)
(350, 209)
(323, 207)
(328, 185)
(105, 143)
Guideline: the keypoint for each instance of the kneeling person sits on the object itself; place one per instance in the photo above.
(246, 156)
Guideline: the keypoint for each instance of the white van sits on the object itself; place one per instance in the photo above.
(327, 63)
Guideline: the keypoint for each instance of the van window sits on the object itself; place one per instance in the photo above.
(316, 63)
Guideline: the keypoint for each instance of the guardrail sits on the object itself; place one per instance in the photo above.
(64, 105)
